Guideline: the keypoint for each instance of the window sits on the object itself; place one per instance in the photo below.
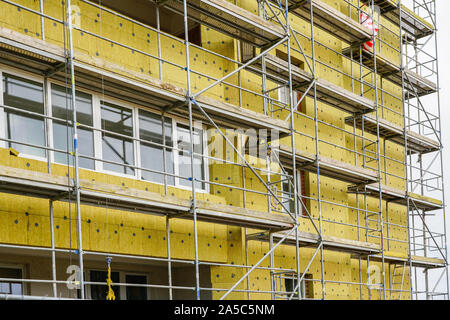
(62, 134)
(11, 287)
(152, 155)
(118, 121)
(283, 96)
(99, 292)
(288, 192)
(28, 96)
(136, 293)
(184, 157)
(290, 283)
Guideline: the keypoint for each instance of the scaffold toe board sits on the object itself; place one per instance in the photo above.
(416, 261)
(328, 167)
(330, 243)
(414, 83)
(424, 203)
(417, 143)
(398, 196)
(420, 144)
(230, 19)
(415, 26)
(327, 92)
(331, 20)
(373, 190)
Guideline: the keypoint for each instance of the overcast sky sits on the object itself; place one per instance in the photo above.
(443, 25)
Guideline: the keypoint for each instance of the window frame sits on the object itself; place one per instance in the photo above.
(3, 133)
(293, 281)
(50, 121)
(122, 279)
(97, 98)
(173, 124)
(20, 267)
(99, 144)
(205, 154)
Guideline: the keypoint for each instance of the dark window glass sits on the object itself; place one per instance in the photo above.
(290, 286)
(28, 96)
(152, 156)
(136, 293)
(99, 292)
(11, 287)
(62, 134)
(288, 192)
(184, 157)
(116, 147)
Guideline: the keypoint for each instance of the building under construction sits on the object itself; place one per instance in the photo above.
(214, 149)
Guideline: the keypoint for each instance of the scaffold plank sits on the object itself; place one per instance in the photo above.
(331, 20)
(394, 195)
(413, 82)
(327, 92)
(50, 186)
(328, 167)
(330, 243)
(416, 261)
(417, 143)
(230, 19)
(415, 26)
(373, 190)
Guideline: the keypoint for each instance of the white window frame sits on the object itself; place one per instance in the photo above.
(2, 115)
(138, 136)
(125, 105)
(97, 125)
(27, 76)
(50, 121)
(205, 155)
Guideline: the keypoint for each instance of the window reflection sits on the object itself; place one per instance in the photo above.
(116, 147)
(11, 287)
(152, 156)
(25, 95)
(62, 134)
(184, 157)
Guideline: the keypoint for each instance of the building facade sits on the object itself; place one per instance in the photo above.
(213, 149)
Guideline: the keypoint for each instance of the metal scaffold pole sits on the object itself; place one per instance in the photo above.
(444, 221)
(293, 107)
(76, 180)
(317, 156)
(192, 150)
(380, 196)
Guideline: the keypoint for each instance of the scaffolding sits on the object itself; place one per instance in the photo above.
(282, 56)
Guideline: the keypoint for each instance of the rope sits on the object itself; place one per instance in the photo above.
(110, 295)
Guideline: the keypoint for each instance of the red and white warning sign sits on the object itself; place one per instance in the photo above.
(367, 22)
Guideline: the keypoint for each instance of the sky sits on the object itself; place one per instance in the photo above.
(443, 26)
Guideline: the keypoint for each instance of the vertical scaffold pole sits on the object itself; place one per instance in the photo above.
(379, 152)
(75, 149)
(294, 164)
(191, 132)
(440, 151)
(316, 124)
